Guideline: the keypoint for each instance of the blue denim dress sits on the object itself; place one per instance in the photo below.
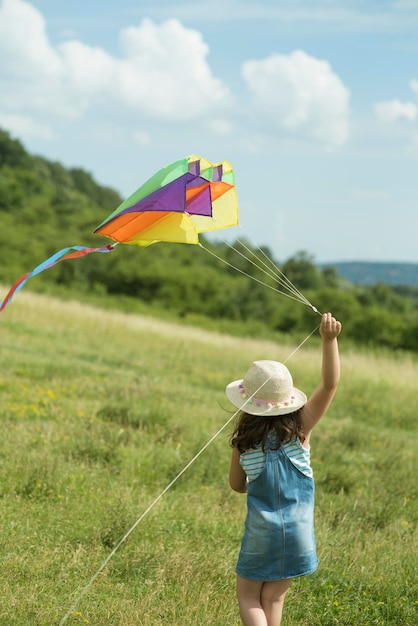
(279, 540)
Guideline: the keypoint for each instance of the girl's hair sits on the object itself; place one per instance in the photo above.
(251, 431)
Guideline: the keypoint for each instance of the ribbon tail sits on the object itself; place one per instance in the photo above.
(73, 252)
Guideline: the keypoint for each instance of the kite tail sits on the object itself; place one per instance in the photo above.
(62, 255)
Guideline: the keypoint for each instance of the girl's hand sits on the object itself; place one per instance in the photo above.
(329, 327)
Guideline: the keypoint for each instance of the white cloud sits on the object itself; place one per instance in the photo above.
(162, 73)
(24, 47)
(414, 85)
(300, 94)
(165, 71)
(220, 127)
(142, 138)
(396, 110)
(21, 125)
(299, 16)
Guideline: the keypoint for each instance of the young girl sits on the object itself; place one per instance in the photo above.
(270, 461)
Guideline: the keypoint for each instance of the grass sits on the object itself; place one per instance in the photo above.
(101, 410)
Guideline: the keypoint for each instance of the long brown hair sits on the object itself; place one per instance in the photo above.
(252, 430)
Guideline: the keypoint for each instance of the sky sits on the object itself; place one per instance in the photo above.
(314, 103)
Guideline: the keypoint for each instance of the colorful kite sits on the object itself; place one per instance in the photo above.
(185, 198)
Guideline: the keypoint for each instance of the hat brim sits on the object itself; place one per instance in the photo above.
(250, 405)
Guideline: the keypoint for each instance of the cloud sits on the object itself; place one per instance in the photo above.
(162, 72)
(297, 17)
(28, 66)
(394, 110)
(165, 71)
(21, 125)
(24, 47)
(298, 93)
(142, 138)
(221, 127)
(414, 85)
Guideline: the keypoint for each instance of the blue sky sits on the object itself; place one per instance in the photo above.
(314, 102)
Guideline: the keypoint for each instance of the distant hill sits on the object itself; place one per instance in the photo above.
(45, 207)
(369, 273)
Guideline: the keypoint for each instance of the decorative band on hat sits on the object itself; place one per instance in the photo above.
(268, 403)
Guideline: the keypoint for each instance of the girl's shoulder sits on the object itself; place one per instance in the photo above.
(299, 456)
(253, 461)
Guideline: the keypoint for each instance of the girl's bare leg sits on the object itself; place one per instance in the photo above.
(272, 599)
(249, 601)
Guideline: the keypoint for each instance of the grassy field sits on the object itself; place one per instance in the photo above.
(101, 410)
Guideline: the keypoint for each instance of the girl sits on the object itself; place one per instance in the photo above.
(270, 461)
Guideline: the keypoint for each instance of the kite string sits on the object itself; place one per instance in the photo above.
(296, 294)
(164, 491)
(140, 518)
(269, 272)
(275, 271)
(301, 344)
(246, 274)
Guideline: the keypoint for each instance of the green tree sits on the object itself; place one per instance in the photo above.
(377, 327)
(11, 151)
(302, 272)
(330, 277)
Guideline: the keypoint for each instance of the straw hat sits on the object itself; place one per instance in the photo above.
(266, 389)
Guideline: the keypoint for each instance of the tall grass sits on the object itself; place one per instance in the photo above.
(102, 410)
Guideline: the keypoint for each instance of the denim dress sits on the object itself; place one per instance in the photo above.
(279, 540)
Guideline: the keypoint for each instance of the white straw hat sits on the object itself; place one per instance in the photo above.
(266, 389)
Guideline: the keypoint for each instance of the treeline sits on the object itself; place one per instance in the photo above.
(45, 207)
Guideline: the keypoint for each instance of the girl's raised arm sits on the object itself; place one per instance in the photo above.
(322, 397)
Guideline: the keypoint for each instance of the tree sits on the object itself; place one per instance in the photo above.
(330, 276)
(377, 327)
(302, 272)
(11, 151)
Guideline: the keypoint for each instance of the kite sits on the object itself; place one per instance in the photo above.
(187, 197)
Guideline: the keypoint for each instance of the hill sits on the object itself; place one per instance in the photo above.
(372, 273)
(102, 410)
(45, 207)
